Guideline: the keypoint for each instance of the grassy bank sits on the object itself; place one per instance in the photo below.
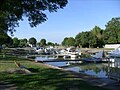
(41, 78)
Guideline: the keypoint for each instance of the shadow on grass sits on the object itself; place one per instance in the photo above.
(47, 79)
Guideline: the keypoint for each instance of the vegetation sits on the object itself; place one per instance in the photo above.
(23, 42)
(68, 41)
(51, 44)
(97, 37)
(12, 11)
(5, 39)
(112, 31)
(42, 42)
(32, 41)
(43, 78)
(15, 42)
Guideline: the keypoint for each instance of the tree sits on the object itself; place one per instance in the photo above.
(82, 39)
(5, 39)
(68, 41)
(56, 44)
(9, 42)
(16, 42)
(98, 35)
(112, 31)
(23, 42)
(32, 41)
(97, 31)
(64, 41)
(50, 44)
(42, 42)
(12, 11)
(93, 40)
(78, 39)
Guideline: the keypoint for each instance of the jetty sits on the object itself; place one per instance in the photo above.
(56, 60)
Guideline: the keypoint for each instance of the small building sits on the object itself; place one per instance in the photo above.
(113, 46)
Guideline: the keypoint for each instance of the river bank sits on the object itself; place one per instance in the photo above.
(42, 77)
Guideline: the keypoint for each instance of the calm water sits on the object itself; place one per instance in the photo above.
(44, 58)
(98, 70)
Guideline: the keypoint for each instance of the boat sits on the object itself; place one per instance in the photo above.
(70, 52)
(115, 53)
(98, 57)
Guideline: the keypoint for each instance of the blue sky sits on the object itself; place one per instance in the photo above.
(77, 16)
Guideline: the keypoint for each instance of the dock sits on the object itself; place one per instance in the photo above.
(115, 76)
(55, 60)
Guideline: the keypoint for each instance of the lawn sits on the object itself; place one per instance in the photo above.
(42, 77)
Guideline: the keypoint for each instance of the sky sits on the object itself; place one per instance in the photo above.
(76, 17)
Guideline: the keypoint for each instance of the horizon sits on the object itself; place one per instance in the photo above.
(76, 17)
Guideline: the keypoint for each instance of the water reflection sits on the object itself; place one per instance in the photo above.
(44, 58)
(58, 64)
(115, 62)
(101, 70)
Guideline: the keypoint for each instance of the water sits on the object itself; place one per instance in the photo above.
(98, 70)
(44, 58)
(57, 64)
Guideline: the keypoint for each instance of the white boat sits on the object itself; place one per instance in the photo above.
(70, 52)
(74, 55)
(115, 53)
(98, 57)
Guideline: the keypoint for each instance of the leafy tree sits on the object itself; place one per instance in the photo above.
(42, 42)
(112, 31)
(82, 39)
(12, 11)
(98, 36)
(5, 39)
(50, 44)
(68, 41)
(97, 31)
(23, 42)
(78, 39)
(9, 42)
(32, 41)
(64, 41)
(16, 42)
(56, 44)
(93, 40)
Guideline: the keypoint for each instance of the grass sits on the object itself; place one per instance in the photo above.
(44, 78)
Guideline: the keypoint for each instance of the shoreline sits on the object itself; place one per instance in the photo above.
(93, 80)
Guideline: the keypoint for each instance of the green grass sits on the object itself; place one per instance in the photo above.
(44, 78)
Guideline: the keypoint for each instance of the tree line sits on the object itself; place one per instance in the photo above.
(97, 37)
(32, 42)
(94, 38)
